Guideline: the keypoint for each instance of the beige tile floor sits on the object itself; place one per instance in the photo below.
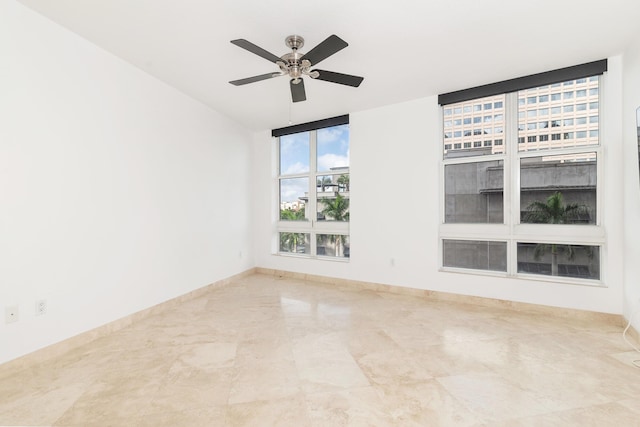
(266, 351)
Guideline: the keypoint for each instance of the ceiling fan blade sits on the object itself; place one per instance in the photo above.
(245, 44)
(331, 45)
(254, 79)
(297, 91)
(343, 79)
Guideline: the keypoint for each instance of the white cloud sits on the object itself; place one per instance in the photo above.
(331, 134)
(292, 189)
(328, 161)
(297, 167)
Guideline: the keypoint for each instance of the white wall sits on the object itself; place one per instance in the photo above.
(631, 180)
(117, 192)
(395, 154)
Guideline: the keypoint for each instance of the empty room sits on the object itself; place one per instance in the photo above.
(319, 214)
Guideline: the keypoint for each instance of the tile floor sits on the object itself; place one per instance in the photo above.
(266, 351)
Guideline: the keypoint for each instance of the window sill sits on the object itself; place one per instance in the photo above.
(559, 280)
(309, 257)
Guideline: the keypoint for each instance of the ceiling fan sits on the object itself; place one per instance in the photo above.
(296, 64)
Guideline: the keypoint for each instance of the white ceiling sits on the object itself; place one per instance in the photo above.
(405, 49)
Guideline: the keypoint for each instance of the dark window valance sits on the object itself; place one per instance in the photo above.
(305, 127)
(520, 83)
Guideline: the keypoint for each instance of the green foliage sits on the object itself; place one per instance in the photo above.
(343, 180)
(554, 211)
(289, 241)
(336, 208)
(323, 182)
(291, 215)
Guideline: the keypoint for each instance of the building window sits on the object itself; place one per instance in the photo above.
(534, 207)
(465, 122)
(314, 192)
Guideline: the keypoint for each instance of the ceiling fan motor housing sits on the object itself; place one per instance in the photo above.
(292, 62)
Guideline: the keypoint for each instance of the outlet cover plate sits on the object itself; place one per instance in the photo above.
(41, 307)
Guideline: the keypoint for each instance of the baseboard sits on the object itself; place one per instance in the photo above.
(62, 347)
(545, 310)
(631, 332)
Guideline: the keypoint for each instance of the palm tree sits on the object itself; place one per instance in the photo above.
(322, 182)
(290, 241)
(343, 180)
(554, 211)
(338, 209)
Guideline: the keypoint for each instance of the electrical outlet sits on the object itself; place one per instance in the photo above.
(41, 307)
(11, 314)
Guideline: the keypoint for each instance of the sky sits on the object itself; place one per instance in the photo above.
(333, 151)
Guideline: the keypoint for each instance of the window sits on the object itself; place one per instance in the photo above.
(314, 190)
(529, 207)
(475, 254)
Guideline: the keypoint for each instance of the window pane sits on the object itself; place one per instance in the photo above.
(562, 105)
(558, 189)
(333, 245)
(294, 153)
(466, 123)
(473, 192)
(333, 148)
(579, 261)
(293, 198)
(475, 254)
(297, 243)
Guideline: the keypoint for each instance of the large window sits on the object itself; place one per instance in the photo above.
(526, 203)
(314, 191)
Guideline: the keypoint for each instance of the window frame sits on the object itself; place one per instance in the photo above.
(512, 230)
(311, 225)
